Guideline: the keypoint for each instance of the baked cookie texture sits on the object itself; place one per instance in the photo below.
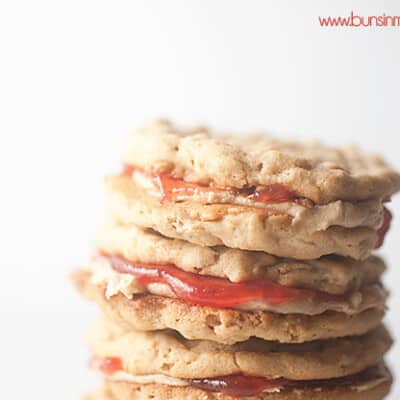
(210, 291)
(242, 260)
(332, 274)
(320, 173)
(155, 313)
(127, 391)
(171, 355)
(242, 227)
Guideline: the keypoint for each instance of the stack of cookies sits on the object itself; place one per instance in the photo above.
(240, 267)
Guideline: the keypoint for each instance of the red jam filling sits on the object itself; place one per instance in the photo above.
(381, 232)
(241, 385)
(211, 291)
(245, 385)
(175, 189)
(236, 385)
(127, 170)
(108, 365)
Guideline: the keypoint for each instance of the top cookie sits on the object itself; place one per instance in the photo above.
(309, 170)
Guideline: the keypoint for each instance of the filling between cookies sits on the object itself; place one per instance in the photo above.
(124, 276)
(277, 199)
(176, 189)
(239, 384)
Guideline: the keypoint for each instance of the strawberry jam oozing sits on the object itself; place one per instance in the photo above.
(236, 385)
(245, 385)
(240, 385)
(176, 189)
(107, 366)
(381, 232)
(211, 291)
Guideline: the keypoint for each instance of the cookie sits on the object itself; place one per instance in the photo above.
(341, 230)
(151, 313)
(320, 173)
(132, 277)
(240, 267)
(169, 354)
(331, 274)
(374, 388)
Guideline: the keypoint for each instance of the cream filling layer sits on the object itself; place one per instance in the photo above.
(122, 376)
(368, 385)
(319, 217)
(372, 296)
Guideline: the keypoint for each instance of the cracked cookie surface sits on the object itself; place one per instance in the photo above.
(168, 353)
(314, 171)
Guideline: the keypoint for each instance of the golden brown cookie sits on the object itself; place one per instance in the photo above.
(374, 387)
(120, 275)
(149, 313)
(169, 354)
(340, 231)
(331, 274)
(320, 173)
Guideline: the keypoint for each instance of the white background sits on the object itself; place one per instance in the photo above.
(77, 75)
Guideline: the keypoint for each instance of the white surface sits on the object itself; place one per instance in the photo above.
(75, 76)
